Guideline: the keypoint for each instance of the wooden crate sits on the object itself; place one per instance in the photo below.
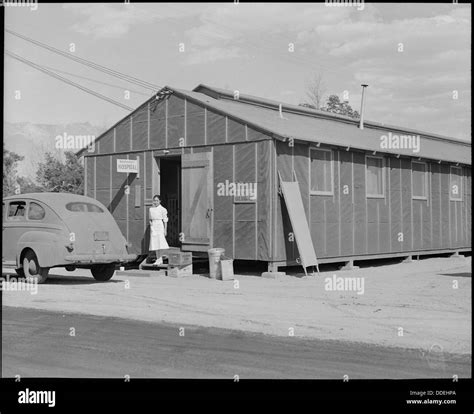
(180, 258)
(180, 271)
(227, 269)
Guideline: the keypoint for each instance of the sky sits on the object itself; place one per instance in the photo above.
(415, 58)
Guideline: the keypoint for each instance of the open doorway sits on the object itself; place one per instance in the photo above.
(170, 189)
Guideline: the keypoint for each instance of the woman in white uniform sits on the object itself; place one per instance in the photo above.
(158, 227)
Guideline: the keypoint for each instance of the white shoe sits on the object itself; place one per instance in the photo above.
(158, 262)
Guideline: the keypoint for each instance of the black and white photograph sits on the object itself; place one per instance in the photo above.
(236, 192)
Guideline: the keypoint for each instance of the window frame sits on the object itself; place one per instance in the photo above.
(379, 196)
(9, 218)
(331, 163)
(28, 212)
(451, 198)
(417, 197)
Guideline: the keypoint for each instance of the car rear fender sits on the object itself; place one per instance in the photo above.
(50, 248)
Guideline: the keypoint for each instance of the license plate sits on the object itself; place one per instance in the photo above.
(101, 235)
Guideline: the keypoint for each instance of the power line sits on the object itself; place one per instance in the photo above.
(68, 81)
(93, 80)
(112, 72)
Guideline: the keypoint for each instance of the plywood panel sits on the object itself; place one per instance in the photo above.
(417, 224)
(195, 120)
(216, 130)
(346, 208)
(245, 163)
(106, 145)
(90, 176)
(264, 194)
(245, 239)
(360, 209)
(436, 206)
(158, 125)
(468, 207)
(407, 224)
(395, 204)
(223, 166)
(223, 235)
(103, 172)
(118, 179)
(445, 207)
(122, 135)
(235, 131)
(136, 236)
(285, 247)
(140, 129)
(175, 122)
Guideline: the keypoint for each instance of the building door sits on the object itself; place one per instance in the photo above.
(170, 184)
(197, 201)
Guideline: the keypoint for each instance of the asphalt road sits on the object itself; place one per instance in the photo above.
(39, 344)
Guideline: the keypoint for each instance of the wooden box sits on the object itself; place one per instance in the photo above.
(227, 269)
(180, 271)
(180, 258)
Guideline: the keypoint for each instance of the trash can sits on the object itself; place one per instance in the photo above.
(214, 259)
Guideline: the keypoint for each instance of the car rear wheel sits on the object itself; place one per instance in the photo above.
(32, 270)
(103, 272)
(20, 272)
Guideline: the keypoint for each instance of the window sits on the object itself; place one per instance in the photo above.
(321, 172)
(36, 212)
(374, 177)
(419, 180)
(81, 207)
(455, 184)
(16, 210)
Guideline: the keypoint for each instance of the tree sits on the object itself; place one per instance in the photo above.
(27, 185)
(57, 176)
(335, 105)
(315, 90)
(10, 174)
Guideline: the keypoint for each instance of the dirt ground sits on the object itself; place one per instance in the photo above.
(429, 299)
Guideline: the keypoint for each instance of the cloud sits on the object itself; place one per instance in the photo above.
(116, 20)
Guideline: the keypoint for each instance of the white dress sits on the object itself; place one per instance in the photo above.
(158, 216)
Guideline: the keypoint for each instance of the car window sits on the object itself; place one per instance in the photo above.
(16, 210)
(84, 207)
(36, 212)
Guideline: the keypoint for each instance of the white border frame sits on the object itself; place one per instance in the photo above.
(381, 196)
(317, 192)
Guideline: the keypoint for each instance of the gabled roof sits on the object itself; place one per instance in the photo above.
(305, 124)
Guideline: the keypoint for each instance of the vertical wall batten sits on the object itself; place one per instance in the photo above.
(256, 201)
(339, 201)
(95, 177)
(205, 126)
(166, 123)
(233, 204)
(86, 161)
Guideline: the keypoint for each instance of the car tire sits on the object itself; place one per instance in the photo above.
(103, 272)
(31, 269)
(20, 272)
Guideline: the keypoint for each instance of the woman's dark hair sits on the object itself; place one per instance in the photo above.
(157, 196)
